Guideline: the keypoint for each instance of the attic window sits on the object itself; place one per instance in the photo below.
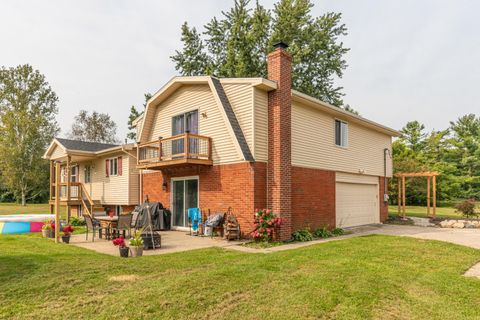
(341, 133)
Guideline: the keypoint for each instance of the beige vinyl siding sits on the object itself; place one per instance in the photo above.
(240, 97)
(313, 144)
(196, 97)
(112, 190)
(133, 181)
(260, 125)
(57, 153)
(355, 178)
(138, 129)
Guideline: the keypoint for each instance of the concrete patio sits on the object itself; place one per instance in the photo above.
(172, 241)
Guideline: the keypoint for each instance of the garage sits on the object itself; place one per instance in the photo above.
(357, 201)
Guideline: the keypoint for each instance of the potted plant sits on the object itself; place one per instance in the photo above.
(47, 229)
(120, 243)
(136, 244)
(67, 231)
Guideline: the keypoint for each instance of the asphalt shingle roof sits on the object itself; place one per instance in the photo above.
(247, 154)
(84, 145)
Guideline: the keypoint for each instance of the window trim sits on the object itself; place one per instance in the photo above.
(347, 142)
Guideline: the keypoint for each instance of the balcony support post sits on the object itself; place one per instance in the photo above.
(160, 149)
(187, 144)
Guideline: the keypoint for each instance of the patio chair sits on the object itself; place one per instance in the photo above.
(91, 226)
(124, 224)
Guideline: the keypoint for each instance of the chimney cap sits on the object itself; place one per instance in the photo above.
(280, 45)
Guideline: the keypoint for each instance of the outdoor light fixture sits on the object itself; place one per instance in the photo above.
(164, 186)
(204, 114)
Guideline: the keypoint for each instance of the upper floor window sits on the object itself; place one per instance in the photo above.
(113, 167)
(341, 133)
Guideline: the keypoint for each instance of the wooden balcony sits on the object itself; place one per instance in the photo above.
(179, 150)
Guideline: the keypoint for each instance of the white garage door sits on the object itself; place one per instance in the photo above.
(356, 204)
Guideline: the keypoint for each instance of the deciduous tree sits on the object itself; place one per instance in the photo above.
(94, 127)
(28, 107)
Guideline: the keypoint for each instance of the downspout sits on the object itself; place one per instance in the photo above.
(385, 187)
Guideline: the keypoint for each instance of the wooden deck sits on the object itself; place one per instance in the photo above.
(180, 150)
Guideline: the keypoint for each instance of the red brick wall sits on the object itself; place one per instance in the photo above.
(241, 186)
(383, 205)
(279, 138)
(313, 198)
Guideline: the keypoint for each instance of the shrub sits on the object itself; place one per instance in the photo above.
(467, 208)
(77, 222)
(322, 233)
(303, 235)
(265, 222)
(338, 232)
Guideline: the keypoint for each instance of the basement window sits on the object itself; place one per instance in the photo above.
(341, 133)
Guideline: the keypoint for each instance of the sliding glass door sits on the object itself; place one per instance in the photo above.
(184, 196)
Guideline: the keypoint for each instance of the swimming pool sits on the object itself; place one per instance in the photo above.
(23, 223)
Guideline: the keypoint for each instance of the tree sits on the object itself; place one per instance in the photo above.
(134, 114)
(237, 44)
(28, 107)
(413, 134)
(95, 127)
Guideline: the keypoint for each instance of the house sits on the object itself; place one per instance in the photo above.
(255, 143)
(94, 176)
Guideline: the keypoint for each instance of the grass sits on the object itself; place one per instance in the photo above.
(418, 211)
(373, 277)
(15, 208)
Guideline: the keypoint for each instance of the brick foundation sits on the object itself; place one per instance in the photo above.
(383, 204)
(313, 198)
(241, 186)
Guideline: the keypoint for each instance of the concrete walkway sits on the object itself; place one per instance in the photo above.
(465, 237)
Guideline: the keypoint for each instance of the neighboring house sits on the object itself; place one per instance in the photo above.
(255, 143)
(94, 176)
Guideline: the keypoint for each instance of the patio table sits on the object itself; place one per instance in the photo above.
(107, 223)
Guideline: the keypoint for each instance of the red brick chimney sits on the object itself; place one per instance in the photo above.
(279, 182)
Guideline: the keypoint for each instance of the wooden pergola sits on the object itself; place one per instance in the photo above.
(431, 194)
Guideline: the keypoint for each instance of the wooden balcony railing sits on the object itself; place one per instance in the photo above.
(182, 148)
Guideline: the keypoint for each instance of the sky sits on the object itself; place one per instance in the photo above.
(409, 59)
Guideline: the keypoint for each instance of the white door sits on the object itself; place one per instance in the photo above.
(356, 204)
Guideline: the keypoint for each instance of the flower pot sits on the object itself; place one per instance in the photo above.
(46, 233)
(66, 239)
(136, 251)
(124, 252)
(52, 234)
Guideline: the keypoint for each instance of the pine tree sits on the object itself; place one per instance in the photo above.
(237, 44)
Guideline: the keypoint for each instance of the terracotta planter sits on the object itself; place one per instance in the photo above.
(124, 252)
(46, 233)
(66, 239)
(136, 251)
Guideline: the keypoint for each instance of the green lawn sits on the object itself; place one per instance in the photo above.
(417, 211)
(15, 208)
(373, 277)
